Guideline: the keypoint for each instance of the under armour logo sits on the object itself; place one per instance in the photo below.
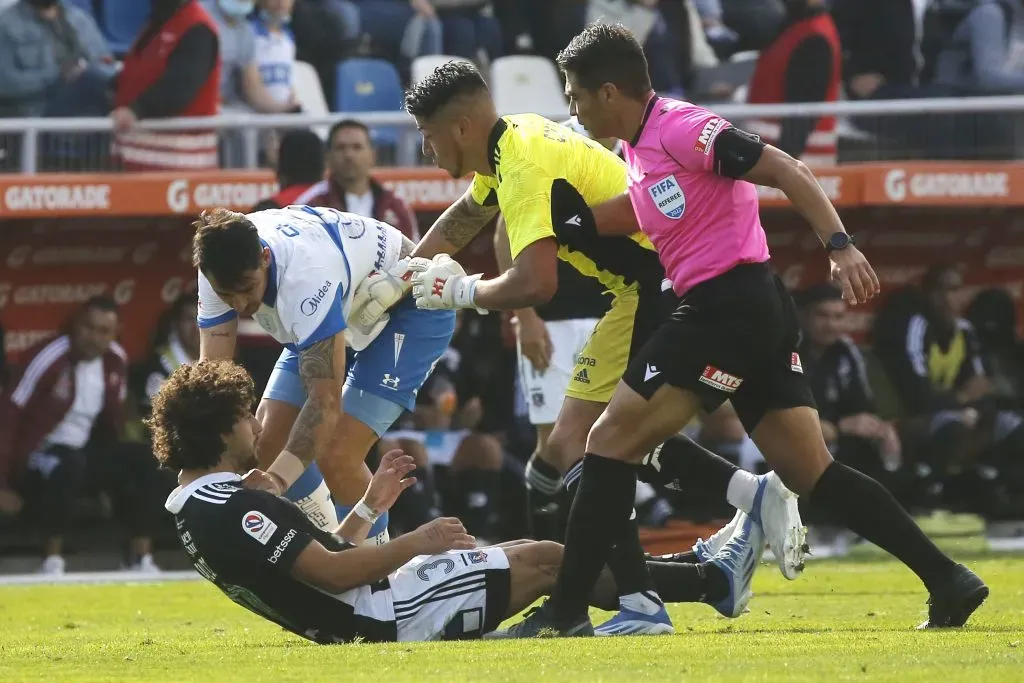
(575, 220)
(438, 286)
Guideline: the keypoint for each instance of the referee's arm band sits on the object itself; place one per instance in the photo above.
(736, 152)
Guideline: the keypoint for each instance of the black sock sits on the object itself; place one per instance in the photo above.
(479, 493)
(626, 562)
(543, 495)
(846, 497)
(698, 582)
(683, 461)
(599, 518)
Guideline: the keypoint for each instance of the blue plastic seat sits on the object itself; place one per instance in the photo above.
(123, 21)
(365, 85)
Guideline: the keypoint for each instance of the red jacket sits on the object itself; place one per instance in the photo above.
(34, 404)
(143, 67)
(387, 207)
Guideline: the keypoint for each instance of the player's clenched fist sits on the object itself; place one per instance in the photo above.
(442, 283)
(441, 535)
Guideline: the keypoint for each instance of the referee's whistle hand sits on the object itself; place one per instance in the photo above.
(441, 535)
(856, 276)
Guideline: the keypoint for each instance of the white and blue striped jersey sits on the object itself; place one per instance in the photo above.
(318, 256)
(275, 58)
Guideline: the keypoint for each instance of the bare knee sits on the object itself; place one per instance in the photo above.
(545, 556)
(566, 445)
(478, 452)
(792, 443)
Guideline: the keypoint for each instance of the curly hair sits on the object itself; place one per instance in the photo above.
(445, 83)
(195, 407)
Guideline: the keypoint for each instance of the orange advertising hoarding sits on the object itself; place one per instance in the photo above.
(430, 189)
(128, 235)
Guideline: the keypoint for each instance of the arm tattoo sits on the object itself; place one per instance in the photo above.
(315, 363)
(461, 222)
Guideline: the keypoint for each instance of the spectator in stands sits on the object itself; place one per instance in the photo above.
(940, 375)
(401, 29)
(756, 22)
(172, 70)
(300, 166)
(69, 396)
(53, 61)
(324, 37)
(881, 39)
(994, 316)
(242, 84)
(349, 186)
(803, 64)
(644, 19)
(3, 358)
(838, 375)
(469, 27)
(985, 55)
(723, 38)
(274, 48)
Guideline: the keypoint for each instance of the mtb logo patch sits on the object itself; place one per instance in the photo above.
(722, 381)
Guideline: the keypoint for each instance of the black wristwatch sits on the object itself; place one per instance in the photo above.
(839, 241)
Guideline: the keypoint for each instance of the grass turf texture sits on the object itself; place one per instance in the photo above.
(849, 620)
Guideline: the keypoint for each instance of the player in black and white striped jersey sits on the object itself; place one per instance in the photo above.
(265, 554)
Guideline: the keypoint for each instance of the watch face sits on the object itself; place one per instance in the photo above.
(839, 240)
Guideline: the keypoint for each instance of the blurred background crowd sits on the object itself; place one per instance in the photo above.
(930, 403)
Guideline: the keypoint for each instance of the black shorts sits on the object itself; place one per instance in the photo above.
(733, 337)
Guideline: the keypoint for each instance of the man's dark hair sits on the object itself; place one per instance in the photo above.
(445, 83)
(348, 123)
(101, 302)
(815, 294)
(933, 276)
(199, 403)
(607, 53)
(226, 247)
(300, 158)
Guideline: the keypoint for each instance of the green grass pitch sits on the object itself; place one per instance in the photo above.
(850, 620)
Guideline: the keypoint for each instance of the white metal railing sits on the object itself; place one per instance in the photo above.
(249, 124)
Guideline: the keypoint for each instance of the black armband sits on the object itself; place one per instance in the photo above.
(736, 152)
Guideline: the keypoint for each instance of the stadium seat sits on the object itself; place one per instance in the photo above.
(421, 66)
(122, 22)
(310, 94)
(522, 83)
(365, 85)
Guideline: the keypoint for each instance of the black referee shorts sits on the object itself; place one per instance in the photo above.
(733, 337)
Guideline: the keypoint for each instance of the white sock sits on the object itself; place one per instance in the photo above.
(644, 603)
(742, 489)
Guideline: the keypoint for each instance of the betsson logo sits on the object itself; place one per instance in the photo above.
(899, 185)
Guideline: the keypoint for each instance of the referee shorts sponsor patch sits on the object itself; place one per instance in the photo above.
(733, 337)
(457, 595)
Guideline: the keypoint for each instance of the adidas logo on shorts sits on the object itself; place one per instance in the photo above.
(582, 376)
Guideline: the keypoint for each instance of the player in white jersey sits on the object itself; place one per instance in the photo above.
(295, 271)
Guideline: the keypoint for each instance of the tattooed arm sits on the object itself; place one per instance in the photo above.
(322, 369)
(456, 227)
(218, 342)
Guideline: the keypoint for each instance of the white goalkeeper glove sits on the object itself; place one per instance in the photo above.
(441, 283)
(377, 293)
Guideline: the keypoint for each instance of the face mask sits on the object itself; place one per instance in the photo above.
(236, 8)
(274, 20)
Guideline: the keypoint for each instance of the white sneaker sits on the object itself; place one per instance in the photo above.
(775, 509)
(145, 565)
(53, 565)
(705, 550)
